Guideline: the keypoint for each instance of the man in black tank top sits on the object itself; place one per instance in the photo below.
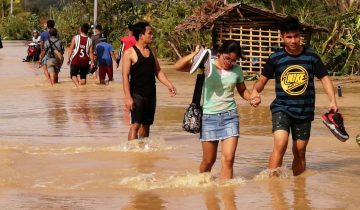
(140, 67)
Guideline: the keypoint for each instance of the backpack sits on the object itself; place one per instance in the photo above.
(56, 53)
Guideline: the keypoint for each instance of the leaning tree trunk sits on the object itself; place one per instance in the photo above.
(2, 8)
(273, 6)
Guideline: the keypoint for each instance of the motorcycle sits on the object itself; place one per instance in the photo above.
(33, 52)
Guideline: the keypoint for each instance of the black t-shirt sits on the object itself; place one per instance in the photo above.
(295, 88)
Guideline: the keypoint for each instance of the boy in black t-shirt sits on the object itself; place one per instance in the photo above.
(294, 68)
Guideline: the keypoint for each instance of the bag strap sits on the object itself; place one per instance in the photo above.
(198, 89)
(50, 46)
(53, 44)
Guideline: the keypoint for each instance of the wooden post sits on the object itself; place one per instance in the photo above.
(251, 49)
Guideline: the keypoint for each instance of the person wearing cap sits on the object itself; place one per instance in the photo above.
(105, 57)
(36, 40)
(35, 44)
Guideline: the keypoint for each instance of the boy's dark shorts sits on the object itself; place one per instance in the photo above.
(300, 129)
(82, 70)
(144, 110)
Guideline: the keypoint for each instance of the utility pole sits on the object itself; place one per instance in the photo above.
(95, 14)
(11, 7)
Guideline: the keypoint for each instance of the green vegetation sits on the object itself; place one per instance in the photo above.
(339, 48)
(13, 27)
(17, 25)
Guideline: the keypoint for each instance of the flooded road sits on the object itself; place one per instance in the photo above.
(66, 148)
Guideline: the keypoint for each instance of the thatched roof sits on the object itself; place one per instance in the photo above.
(205, 16)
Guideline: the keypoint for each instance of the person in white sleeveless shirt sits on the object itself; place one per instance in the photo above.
(81, 52)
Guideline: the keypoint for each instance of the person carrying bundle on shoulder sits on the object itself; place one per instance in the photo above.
(53, 50)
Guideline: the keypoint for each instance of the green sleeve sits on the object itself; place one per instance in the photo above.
(240, 74)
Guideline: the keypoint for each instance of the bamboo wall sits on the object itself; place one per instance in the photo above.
(257, 43)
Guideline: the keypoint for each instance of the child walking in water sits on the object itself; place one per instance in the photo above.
(294, 105)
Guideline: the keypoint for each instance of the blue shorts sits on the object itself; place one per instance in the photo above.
(216, 127)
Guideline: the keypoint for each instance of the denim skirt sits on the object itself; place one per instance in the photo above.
(216, 127)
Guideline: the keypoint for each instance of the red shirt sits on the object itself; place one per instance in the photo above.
(128, 42)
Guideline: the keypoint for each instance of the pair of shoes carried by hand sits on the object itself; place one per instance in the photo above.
(335, 122)
(201, 60)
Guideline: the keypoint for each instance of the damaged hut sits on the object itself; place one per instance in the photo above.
(256, 29)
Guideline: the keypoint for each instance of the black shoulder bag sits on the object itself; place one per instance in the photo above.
(193, 114)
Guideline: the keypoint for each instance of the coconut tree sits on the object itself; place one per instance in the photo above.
(5, 7)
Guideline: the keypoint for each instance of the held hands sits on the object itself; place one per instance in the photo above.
(255, 98)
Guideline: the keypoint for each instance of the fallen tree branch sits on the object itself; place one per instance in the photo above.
(174, 48)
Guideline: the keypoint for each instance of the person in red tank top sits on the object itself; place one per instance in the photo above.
(129, 40)
(126, 42)
(81, 52)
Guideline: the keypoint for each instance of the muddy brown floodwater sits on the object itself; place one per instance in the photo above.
(66, 148)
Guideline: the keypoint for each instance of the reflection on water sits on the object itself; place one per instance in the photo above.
(70, 146)
(255, 121)
(301, 200)
(145, 200)
(223, 198)
(57, 112)
(252, 121)
(296, 198)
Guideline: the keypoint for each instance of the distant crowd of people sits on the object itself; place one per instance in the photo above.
(87, 54)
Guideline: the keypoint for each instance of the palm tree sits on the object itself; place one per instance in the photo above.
(9, 7)
(5, 7)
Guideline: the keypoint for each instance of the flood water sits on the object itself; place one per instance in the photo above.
(66, 148)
